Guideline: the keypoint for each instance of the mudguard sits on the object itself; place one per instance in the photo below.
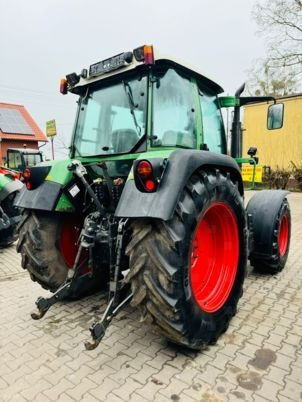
(7, 187)
(10, 186)
(262, 211)
(181, 165)
(44, 197)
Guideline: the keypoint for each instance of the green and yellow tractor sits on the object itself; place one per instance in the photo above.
(10, 184)
(149, 205)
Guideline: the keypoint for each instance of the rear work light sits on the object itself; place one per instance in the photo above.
(144, 172)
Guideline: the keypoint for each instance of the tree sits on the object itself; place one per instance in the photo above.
(268, 81)
(281, 22)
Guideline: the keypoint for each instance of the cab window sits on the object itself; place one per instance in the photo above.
(173, 111)
(14, 160)
(212, 122)
(32, 159)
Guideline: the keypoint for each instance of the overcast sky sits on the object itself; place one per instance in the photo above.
(42, 41)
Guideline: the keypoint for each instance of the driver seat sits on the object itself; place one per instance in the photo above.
(124, 139)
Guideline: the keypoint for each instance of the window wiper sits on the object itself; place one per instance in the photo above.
(129, 94)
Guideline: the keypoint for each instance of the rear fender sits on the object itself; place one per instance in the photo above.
(181, 165)
(262, 211)
(50, 184)
(9, 186)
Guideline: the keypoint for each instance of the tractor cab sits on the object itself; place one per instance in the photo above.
(142, 101)
(20, 158)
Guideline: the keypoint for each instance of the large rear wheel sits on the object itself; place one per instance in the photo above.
(9, 235)
(48, 243)
(187, 274)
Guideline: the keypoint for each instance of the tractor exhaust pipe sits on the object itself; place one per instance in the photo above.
(236, 140)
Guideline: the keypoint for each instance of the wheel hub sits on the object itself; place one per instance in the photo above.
(283, 236)
(214, 258)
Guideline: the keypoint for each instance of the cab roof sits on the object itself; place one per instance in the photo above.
(159, 60)
(25, 150)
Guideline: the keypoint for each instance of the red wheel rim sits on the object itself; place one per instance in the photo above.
(214, 257)
(283, 236)
(69, 236)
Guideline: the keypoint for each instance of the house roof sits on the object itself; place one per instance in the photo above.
(17, 124)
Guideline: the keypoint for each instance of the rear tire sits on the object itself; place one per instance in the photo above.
(162, 262)
(9, 235)
(39, 244)
(280, 242)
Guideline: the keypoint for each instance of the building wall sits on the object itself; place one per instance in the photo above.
(278, 147)
(5, 144)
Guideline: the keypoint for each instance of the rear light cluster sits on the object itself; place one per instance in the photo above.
(27, 176)
(145, 177)
(35, 176)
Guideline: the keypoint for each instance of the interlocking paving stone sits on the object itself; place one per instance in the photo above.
(259, 358)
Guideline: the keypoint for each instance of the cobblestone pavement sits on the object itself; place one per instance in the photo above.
(259, 357)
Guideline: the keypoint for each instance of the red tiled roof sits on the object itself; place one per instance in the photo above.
(38, 134)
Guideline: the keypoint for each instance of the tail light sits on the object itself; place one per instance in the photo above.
(144, 169)
(26, 176)
(35, 176)
(144, 176)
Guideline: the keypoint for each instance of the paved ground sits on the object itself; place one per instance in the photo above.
(259, 358)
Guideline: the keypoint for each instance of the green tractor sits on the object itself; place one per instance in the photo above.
(149, 205)
(10, 185)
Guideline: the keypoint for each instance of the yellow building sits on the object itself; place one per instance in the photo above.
(276, 130)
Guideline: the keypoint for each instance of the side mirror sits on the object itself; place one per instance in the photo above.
(275, 116)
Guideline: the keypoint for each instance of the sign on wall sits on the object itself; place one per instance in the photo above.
(247, 173)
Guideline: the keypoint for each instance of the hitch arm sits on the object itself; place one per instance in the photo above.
(43, 304)
(116, 294)
(98, 329)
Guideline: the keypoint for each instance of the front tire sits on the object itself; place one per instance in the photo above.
(187, 274)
